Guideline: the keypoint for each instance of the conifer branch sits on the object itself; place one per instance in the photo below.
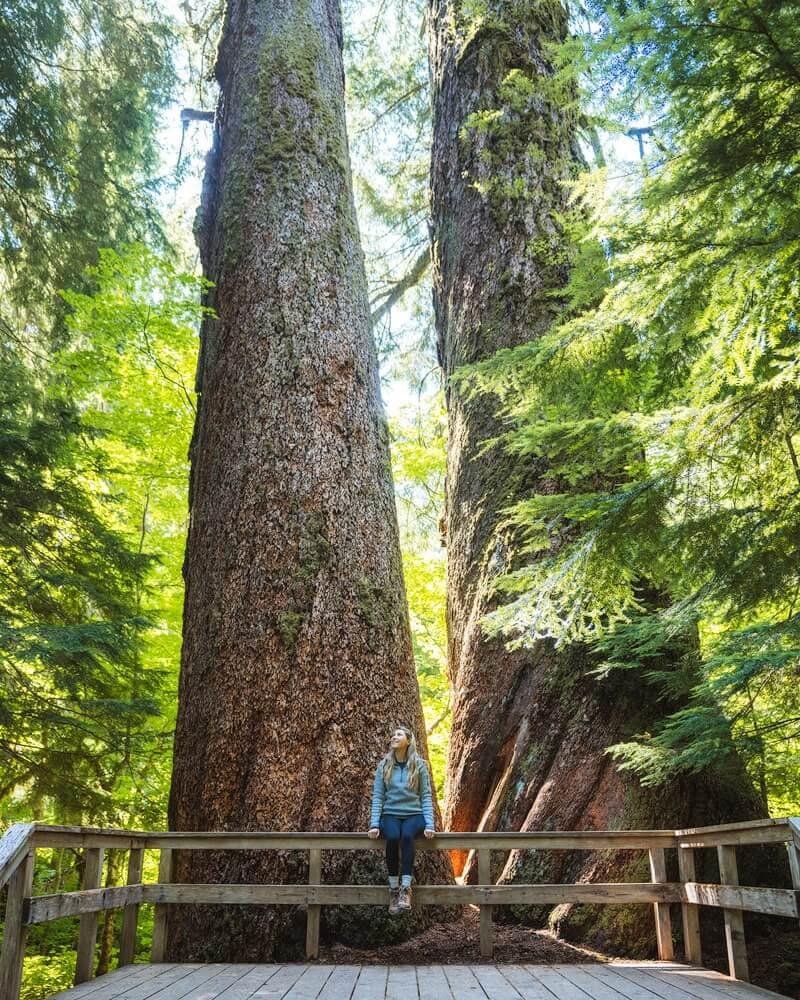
(407, 282)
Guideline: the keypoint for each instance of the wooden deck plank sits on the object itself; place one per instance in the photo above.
(401, 983)
(432, 983)
(215, 987)
(596, 987)
(703, 989)
(673, 980)
(308, 986)
(687, 983)
(560, 987)
(148, 986)
(708, 984)
(371, 983)
(463, 983)
(244, 988)
(198, 983)
(278, 985)
(494, 983)
(129, 974)
(666, 991)
(144, 986)
(625, 987)
(341, 984)
(525, 983)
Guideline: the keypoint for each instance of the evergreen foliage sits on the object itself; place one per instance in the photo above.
(93, 523)
(81, 88)
(418, 466)
(665, 400)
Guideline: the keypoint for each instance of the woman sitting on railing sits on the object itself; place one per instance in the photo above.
(402, 807)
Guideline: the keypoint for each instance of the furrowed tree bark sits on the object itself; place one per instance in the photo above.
(529, 728)
(297, 657)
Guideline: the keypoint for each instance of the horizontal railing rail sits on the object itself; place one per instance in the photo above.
(589, 840)
(777, 902)
(18, 846)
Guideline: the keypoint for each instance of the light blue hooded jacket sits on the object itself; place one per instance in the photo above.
(397, 798)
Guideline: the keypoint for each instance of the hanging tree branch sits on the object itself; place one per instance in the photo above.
(196, 115)
(398, 290)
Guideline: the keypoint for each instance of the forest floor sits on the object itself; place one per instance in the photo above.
(458, 943)
(774, 957)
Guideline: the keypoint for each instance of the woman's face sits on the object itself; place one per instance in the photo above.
(399, 740)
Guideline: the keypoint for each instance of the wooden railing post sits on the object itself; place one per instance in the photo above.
(690, 911)
(658, 873)
(793, 849)
(87, 931)
(20, 886)
(313, 909)
(485, 878)
(734, 919)
(794, 864)
(159, 949)
(130, 914)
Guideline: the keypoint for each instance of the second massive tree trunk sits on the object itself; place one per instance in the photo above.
(529, 729)
(297, 657)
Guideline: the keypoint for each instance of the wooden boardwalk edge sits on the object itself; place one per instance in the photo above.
(615, 980)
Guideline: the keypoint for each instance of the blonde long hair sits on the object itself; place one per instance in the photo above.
(413, 760)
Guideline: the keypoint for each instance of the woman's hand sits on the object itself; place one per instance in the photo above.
(373, 832)
(429, 834)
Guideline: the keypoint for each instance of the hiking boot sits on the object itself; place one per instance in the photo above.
(394, 895)
(404, 899)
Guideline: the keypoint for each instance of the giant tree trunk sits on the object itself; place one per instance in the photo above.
(529, 728)
(296, 657)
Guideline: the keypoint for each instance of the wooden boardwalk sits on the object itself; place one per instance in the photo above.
(612, 981)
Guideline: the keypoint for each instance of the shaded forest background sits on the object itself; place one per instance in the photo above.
(664, 397)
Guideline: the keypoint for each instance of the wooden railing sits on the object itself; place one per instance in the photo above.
(18, 847)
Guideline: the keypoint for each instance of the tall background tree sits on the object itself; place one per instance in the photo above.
(531, 725)
(685, 365)
(297, 654)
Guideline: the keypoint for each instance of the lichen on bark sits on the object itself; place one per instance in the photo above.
(293, 131)
(288, 82)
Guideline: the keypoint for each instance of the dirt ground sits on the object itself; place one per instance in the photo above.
(458, 943)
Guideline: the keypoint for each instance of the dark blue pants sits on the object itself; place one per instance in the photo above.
(399, 832)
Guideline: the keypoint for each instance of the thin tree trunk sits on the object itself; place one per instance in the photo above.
(529, 728)
(297, 656)
(109, 917)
